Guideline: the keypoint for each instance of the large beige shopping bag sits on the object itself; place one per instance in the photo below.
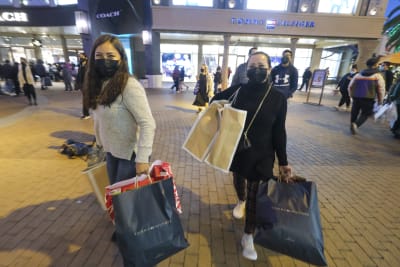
(98, 179)
(232, 121)
(203, 132)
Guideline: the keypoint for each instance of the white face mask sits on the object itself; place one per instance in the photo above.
(380, 68)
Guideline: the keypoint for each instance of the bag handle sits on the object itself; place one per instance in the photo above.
(232, 98)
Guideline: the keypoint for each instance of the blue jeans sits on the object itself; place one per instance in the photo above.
(120, 169)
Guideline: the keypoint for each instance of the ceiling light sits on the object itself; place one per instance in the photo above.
(156, 2)
(304, 7)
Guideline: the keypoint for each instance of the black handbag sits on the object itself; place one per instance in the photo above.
(288, 220)
(148, 227)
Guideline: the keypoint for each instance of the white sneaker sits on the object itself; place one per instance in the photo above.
(354, 128)
(249, 251)
(239, 210)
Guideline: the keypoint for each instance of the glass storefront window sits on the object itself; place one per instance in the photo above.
(178, 55)
(337, 6)
(330, 61)
(35, 3)
(302, 60)
(205, 3)
(6, 2)
(66, 2)
(272, 5)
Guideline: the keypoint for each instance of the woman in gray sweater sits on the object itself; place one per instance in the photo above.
(123, 122)
(124, 125)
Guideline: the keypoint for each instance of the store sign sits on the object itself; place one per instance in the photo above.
(271, 24)
(13, 16)
(106, 15)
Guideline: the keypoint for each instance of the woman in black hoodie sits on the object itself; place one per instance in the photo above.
(253, 162)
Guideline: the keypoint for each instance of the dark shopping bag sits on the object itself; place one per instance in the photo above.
(47, 81)
(288, 220)
(148, 227)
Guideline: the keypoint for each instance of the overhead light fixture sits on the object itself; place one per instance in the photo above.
(231, 3)
(373, 11)
(82, 22)
(304, 8)
(36, 42)
(146, 36)
(156, 2)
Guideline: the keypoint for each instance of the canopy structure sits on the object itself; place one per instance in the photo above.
(393, 58)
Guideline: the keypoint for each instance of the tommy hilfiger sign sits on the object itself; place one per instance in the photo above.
(271, 24)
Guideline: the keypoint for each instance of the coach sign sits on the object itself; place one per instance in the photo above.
(38, 17)
(13, 16)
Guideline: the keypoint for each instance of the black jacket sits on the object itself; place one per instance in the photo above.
(267, 134)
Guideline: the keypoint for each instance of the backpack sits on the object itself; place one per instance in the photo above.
(74, 149)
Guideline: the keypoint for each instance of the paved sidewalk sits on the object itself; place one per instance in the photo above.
(50, 217)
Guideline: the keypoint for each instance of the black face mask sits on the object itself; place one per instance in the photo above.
(201, 70)
(257, 75)
(285, 60)
(106, 68)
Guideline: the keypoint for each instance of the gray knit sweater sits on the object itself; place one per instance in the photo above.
(126, 126)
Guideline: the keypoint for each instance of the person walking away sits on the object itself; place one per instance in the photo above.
(67, 75)
(387, 75)
(306, 79)
(79, 83)
(343, 86)
(123, 123)
(267, 137)
(41, 72)
(202, 97)
(394, 96)
(217, 79)
(25, 78)
(175, 78)
(182, 79)
(364, 88)
(8, 75)
(240, 76)
(17, 86)
(285, 76)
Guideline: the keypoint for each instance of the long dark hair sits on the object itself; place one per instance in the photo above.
(93, 94)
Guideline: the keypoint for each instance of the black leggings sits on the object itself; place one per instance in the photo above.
(239, 183)
(30, 93)
(345, 98)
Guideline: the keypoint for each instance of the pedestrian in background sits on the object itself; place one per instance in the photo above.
(343, 86)
(205, 88)
(27, 81)
(306, 79)
(182, 79)
(217, 79)
(79, 83)
(175, 77)
(387, 75)
(285, 76)
(41, 72)
(8, 75)
(394, 96)
(240, 76)
(364, 88)
(67, 75)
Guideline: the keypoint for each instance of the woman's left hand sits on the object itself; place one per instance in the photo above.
(285, 172)
(142, 168)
